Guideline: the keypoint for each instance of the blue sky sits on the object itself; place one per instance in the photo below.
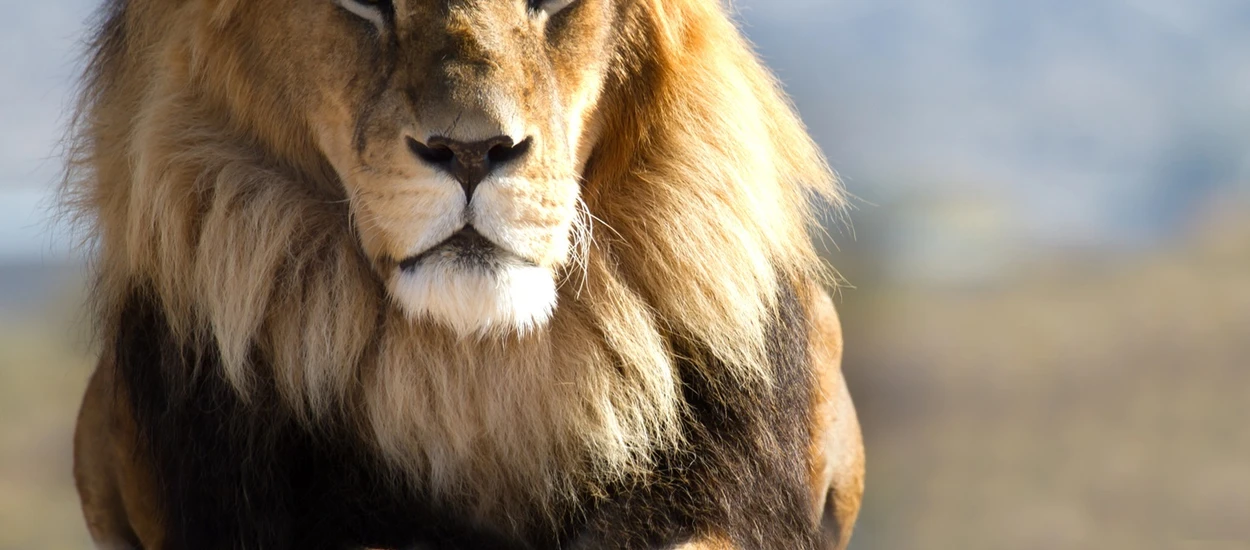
(38, 43)
(37, 63)
(1091, 120)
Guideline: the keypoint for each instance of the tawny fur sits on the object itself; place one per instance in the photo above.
(693, 202)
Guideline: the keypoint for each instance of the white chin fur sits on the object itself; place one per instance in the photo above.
(476, 300)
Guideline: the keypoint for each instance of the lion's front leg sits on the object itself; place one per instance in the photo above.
(836, 451)
(117, 495)
(837, 448)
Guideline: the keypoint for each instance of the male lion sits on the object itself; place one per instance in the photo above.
(454, 274)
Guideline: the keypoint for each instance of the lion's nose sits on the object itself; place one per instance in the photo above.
(469, 162)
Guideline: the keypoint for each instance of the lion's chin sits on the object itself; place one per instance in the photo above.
(507, 296)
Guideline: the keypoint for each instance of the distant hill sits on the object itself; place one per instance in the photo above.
(35, 288)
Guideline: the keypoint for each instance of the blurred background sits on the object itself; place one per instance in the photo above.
(1048, 264)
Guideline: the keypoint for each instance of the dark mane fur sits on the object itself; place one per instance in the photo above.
(249, 475)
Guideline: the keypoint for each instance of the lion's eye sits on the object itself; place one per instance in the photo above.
(373, 11)
(550, 7)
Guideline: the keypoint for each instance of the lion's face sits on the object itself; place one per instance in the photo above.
(458, 129)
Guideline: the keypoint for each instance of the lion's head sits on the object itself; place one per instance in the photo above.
(459, 131)
(476, 228)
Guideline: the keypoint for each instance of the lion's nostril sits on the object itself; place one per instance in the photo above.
(439, 154)
(499, 153)
(505, 152)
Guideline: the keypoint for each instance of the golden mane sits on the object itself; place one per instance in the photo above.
(698, 193)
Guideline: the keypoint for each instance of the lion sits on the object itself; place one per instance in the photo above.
(454, 274)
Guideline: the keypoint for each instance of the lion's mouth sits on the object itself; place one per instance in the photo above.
(473, 285)
(466, 248)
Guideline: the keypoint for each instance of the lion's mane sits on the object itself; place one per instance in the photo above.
(697, 198)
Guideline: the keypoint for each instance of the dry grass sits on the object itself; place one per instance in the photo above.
(43, 371)
(1086, 407)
